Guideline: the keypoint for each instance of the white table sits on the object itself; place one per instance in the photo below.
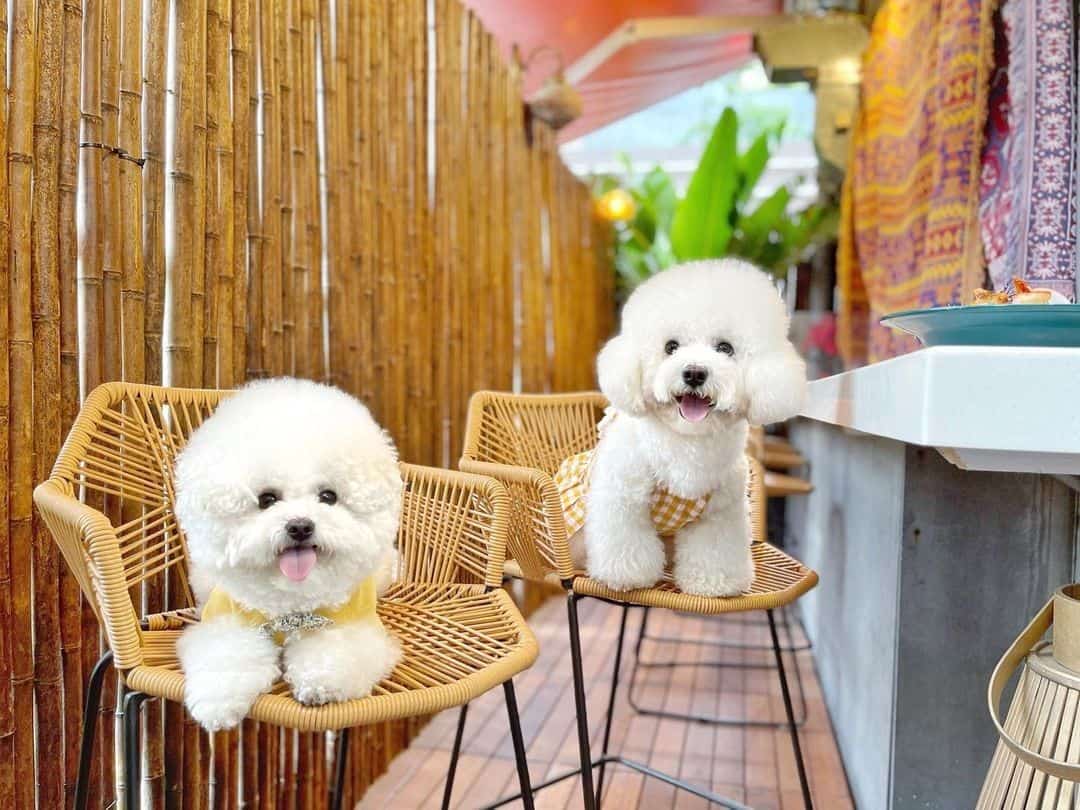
(985, 408)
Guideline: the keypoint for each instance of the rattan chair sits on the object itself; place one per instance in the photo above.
(521, 440)
(460, 633)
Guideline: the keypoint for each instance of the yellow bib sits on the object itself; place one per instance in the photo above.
(358, 607)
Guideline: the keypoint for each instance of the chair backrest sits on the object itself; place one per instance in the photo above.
(123, 543)
(453, 528)
(531, 430)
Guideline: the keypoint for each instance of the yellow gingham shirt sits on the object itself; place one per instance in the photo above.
(669, 512)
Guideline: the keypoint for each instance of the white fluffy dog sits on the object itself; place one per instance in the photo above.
(289, 495)
(703, 352)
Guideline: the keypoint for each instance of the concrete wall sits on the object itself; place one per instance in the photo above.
(928, 572)
(848, 530)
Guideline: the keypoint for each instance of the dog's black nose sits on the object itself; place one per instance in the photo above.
(299, 529)
(695, 376)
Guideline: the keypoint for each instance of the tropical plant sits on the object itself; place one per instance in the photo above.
(716, 217)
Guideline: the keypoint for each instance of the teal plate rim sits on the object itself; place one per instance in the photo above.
(995, 308)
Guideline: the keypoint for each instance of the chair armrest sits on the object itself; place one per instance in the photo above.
(537, 539)
(453, 527)
(91, 549)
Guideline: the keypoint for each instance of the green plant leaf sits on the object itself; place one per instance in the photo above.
(764, 225)
(657, 188)
(751, 165)
(701, 227)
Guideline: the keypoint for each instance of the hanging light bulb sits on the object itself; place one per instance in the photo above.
(616, 205)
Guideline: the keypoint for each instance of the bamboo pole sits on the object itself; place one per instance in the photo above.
(290, 47)
(198, 163)
(70, 606)
(271, 187)
(311, 305)
(363, 101)
(224, 260)
(305, 169)
(129, 141)
(110, 221)
(153, 190)
(443, 225)
(255, 361)
(241, 116)
(153, 268)
(216, 194)
(21, 369)
(329, 178)
(45, 312)
(8, 629)
(180, 337)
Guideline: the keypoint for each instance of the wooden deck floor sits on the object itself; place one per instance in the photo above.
(752, 765)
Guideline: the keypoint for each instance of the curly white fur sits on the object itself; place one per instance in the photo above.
(296, 439)
(673, 321)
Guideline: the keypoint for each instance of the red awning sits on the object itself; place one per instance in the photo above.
(635, 76)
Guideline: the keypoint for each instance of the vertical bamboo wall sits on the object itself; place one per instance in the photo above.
(338, 189)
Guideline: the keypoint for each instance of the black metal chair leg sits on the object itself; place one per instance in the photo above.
(133, 701)
(89, 729)
(448, 790)
(611, 704)
(519, 746)
(341, 761)
(804, 783)
(711, 719)
(584, 746)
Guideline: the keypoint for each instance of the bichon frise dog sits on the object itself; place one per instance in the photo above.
(703, 352)
(289, 495)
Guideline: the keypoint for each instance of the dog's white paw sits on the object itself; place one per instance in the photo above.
(226, 665)
(218, 712)
(698, 582)
(628, 565)
(712, 555)
(339, 663)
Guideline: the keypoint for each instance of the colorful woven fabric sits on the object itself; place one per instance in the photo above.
(1040, 175)
(669, 512)
(996, 189)
(910, 233)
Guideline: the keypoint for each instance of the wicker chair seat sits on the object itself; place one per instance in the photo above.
(458, 641)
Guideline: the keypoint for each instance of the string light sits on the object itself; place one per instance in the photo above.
(616, 205)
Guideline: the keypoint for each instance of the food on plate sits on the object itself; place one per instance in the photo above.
(1022, 293)
(982, 298)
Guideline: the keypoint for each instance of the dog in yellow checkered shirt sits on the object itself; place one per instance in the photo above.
(289, 495)
(703, 352)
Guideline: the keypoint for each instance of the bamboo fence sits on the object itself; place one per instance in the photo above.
(198, 193)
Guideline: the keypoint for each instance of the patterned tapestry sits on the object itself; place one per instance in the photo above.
(1030, 175)
(910, 226)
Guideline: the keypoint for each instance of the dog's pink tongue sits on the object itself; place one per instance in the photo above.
(296, 563)
(693, 408)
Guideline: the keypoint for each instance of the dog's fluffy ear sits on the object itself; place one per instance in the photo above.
(619, 371)
(775, 386)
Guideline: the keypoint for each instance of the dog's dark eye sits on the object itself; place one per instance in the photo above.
(268, 499)
(328, 496)
(725, 348)
(671, 346)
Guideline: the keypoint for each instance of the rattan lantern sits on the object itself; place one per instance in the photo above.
(1037, 761)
